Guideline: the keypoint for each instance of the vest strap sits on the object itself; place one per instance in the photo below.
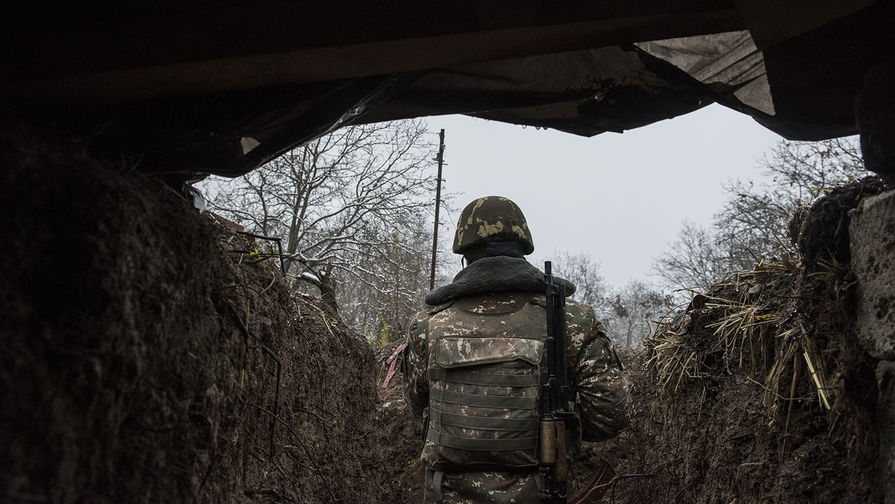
(485, 401)
(467, 377)
(468, 444)
(484, 423)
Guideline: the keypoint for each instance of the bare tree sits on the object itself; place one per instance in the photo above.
(693, 261)
(752, 223)
(632, 310)
(380, 296)
(802, 171)
(584, 272)
(342, 204)
(755, 215)
(627, 311)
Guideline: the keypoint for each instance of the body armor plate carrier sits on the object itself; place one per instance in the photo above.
(484, 379)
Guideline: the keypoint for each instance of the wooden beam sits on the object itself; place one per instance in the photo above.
(248, 47)
(774, 21)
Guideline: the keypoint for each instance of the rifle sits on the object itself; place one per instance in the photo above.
(555, 409)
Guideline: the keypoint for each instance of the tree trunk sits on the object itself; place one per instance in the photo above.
(328, 291)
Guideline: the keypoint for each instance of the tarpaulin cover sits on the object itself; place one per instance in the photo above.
(581, 92)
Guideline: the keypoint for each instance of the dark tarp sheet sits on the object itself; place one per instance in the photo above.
(583, 92)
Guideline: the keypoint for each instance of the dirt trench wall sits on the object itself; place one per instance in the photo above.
(764, 390)
(872, 231)
(145, 359)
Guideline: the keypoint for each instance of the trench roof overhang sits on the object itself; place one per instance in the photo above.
(223, 86)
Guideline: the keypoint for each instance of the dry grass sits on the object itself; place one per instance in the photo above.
(743, 329)
(673, 358)
(749, 332)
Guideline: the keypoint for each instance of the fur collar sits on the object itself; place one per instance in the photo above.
(494, 274)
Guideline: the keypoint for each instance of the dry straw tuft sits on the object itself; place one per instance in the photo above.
(743, 328)
(749, 334)
(674, 358)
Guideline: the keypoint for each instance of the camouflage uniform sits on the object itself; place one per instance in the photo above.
(474, 363)
(482, 331)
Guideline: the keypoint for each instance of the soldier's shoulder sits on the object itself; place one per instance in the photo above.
(420, 320)
(576, 306)
(583, 318)
(575, 312)
(580, 312)
(433, 309)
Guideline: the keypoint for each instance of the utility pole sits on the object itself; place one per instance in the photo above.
(440, 160)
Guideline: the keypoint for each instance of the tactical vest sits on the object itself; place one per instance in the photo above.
(485, 356)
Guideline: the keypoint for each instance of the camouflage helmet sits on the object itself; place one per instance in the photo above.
(492, 218)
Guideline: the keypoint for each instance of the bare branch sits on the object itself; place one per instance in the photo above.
(353, 210)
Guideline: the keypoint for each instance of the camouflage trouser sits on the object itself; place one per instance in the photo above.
(480, 487)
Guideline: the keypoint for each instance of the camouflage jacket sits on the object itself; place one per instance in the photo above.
(502, 298)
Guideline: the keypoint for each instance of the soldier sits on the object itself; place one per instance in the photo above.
(474, 361)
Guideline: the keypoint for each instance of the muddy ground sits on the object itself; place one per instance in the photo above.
(152, 354)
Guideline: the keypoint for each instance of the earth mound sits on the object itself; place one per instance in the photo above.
(759, 391)
(153, 355)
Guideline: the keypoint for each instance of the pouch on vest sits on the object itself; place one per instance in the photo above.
(483, 403)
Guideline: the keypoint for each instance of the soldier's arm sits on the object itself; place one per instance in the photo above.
(599, 381)
(414, 365)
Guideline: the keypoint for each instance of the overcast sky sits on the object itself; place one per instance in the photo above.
(620, 198)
